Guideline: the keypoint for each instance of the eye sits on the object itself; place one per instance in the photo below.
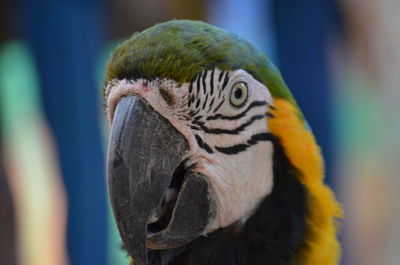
(239, 94)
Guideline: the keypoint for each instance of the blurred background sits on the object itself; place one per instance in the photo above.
(340, 58)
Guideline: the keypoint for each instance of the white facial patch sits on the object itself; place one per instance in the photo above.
(229, 144)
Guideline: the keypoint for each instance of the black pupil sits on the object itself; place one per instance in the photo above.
(238, 93)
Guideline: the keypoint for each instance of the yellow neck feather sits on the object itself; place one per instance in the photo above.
(298, 142)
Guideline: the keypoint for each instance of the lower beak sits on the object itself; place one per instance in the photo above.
(157, 203)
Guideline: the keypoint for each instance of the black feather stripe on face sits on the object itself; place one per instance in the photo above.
(200, 114)
(240, 115)
(237, 130)
(273, 235)
(237, 148)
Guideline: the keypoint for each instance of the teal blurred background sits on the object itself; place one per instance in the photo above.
(340, 58)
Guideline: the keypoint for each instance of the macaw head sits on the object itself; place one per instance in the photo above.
(203, 128)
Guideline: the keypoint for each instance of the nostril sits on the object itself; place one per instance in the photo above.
(166, 95)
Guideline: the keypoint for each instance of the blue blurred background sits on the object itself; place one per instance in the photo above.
(340, 58)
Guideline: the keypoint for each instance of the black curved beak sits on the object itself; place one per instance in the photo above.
(156, 201)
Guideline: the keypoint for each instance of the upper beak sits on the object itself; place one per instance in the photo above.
(157, 202)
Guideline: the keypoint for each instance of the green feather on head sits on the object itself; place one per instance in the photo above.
(180, 49)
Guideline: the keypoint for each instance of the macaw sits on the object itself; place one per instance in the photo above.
(210, 159)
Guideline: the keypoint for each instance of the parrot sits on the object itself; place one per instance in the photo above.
(210, 159)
